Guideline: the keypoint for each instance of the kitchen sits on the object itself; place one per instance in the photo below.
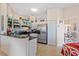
(19, 34)
(31, 29)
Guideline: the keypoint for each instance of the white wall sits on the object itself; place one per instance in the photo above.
(51, 14)
(71, 17)
(60, 32)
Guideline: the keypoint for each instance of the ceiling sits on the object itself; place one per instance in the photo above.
(24, 8)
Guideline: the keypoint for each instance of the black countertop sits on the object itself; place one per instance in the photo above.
(30, 37)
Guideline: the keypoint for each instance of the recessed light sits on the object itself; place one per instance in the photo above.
(34, 9)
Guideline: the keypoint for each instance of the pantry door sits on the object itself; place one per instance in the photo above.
(52, 32)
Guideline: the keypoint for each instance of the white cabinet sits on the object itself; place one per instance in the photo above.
(18, 46)
(33, 47)
(5, 44)
(14, 46)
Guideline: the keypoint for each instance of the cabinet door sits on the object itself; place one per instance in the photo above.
(19, 47)
(5, 44)
(33, 47)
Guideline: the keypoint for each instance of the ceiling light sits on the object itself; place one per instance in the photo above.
(34, 9)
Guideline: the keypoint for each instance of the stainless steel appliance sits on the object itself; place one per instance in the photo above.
(48, 32)
(43, 34)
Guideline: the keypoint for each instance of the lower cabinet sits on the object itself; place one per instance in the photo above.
(18, 47)
(5, 45)
(33, 47)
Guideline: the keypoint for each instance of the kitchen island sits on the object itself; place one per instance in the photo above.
(14, 46)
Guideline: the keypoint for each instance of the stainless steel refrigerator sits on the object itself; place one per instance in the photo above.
(48, 33)
(43, 34)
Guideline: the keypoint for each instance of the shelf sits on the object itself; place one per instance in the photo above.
(16, 24)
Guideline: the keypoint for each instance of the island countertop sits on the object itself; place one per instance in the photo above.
(32, 36)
